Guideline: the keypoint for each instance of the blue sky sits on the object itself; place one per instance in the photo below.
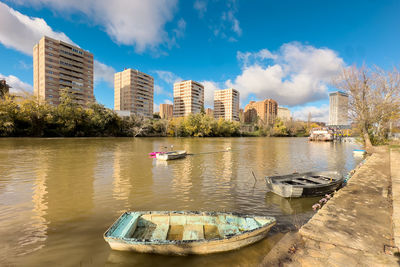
(285, 50)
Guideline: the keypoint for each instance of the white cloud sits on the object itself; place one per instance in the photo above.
(156, 107)
(180, 29)
(298, 74)
(129, 22)
(320, 114)
(201, 7)
(222, 21)
(209, 88)
(102, 72)
(20, 32)
(168, 77)
(17, 86)
(167, 101)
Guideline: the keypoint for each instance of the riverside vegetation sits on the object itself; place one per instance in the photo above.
(27, 117)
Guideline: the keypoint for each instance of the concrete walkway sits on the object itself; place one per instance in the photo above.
(355, 226)
(395, 173)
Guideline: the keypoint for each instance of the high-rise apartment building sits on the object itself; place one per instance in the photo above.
(58, 65)
(188, 98)
(338, 109)
(284, 114)
(265, 110)
(134, 91)
(210, 112)
(166, 111)
(226, 104)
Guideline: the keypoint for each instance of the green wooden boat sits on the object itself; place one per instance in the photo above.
(186, 232)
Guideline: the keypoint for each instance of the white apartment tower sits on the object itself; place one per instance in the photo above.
(188, 98)
(338, 109)
(134, 92)
(58, 65)
(226, 104)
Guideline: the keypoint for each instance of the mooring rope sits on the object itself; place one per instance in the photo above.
(211, 152)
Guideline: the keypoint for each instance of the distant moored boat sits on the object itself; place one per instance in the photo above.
(171, 155)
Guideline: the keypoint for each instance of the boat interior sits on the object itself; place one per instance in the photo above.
(174, 226)
(307, 180)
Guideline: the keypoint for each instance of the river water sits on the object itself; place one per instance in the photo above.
(58, 196)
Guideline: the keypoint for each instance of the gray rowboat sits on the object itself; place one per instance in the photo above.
(306, 184)
(186, 232)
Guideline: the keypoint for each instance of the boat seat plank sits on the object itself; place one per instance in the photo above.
(127, 226)
(227, 229)
(300, 182)
(320, 181)
(193, 232)
(160, 232)
(195, 220)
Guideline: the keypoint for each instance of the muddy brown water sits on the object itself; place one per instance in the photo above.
(58, 196)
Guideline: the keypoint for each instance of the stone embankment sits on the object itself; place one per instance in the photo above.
(356, 227)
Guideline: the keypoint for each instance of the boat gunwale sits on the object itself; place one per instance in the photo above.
(134, 241)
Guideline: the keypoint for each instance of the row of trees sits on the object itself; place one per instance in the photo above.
(25, 116)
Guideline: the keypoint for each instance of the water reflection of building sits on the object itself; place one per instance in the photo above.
(121, 183)
(70, 179)
(132, 174)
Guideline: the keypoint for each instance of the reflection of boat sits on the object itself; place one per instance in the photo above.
(155, 153)
(291, 205)
(359, 152)
(172, 155)
(186, 232)
(304, 184)
(321, 134)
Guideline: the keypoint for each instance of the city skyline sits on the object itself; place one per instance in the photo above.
(221, 44)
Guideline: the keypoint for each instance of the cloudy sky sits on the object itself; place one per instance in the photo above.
(285, 50)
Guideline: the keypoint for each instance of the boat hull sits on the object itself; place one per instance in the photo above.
(171, 155)
(208, 247)
(186, 247)
(279, 185)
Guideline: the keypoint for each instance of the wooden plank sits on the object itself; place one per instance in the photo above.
(317, 180)
(193, 232)
(160, 232)
(300, 182)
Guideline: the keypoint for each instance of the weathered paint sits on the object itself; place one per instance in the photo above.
(178, 232)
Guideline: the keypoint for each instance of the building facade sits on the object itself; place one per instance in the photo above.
(284, 114)
(166, 111)
(58, 65)
(338, 109)
(210, 112)
(134, 91)
(265, 111)
(188, 98)
(226, 104)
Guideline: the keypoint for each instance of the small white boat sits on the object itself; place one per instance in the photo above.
(172, 155)
(186, 232)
